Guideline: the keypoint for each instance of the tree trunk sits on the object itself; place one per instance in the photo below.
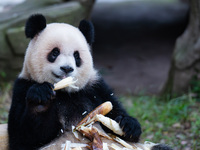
(185, 62)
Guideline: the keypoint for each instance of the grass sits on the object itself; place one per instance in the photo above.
(175, 122)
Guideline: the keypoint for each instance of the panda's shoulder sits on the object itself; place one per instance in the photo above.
(102, 86)
(21, 85)
(100, 89)
(23, 82)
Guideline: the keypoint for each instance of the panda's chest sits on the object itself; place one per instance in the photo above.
(72, 108)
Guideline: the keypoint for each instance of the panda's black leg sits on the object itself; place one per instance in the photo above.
(161, 147)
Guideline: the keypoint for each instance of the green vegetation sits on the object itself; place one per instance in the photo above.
(2, 74)
(195, 86)
(5, 99)
(175, 122)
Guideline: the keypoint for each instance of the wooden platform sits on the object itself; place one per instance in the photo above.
(3, 137)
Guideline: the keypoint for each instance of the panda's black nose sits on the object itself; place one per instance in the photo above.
(66, 69)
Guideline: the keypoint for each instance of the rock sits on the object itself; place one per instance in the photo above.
(5, 50)
(26, 6)
(17, 40)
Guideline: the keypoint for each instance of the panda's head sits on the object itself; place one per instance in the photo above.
(58, 50)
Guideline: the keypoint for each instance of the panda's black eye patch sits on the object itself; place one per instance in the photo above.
(53, 54)
(77, 58)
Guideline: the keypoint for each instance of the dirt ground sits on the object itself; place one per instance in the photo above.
(134, 43)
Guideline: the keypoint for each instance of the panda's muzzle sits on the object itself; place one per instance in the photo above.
(65, 72)
(66, 69)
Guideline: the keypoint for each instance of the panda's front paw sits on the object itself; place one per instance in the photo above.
(40, 94)
(131, 128)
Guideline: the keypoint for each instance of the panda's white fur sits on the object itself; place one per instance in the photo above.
(68, 39)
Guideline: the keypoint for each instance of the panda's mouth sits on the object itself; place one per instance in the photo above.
(59, 76)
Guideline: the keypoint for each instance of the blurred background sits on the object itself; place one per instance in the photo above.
(148, 51)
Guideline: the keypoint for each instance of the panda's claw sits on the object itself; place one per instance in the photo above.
(40, 94)
(131, 128)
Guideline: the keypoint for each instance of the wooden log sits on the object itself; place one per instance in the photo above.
(3, 137)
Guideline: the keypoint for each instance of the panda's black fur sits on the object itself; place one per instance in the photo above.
(161, 147)
(34, 25)
(36, 110)
(88, 30)
(30, 130)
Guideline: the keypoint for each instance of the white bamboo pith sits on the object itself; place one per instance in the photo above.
(109, 123)
(67, 82)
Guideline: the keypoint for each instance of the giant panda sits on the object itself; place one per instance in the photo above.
(39, 115)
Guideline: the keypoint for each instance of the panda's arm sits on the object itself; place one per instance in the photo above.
(130, 125)
(105, 93)
(28, 128)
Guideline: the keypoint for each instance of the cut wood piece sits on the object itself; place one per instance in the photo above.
(3, 137)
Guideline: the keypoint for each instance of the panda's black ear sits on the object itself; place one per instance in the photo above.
(87, 28)
(34, 25)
